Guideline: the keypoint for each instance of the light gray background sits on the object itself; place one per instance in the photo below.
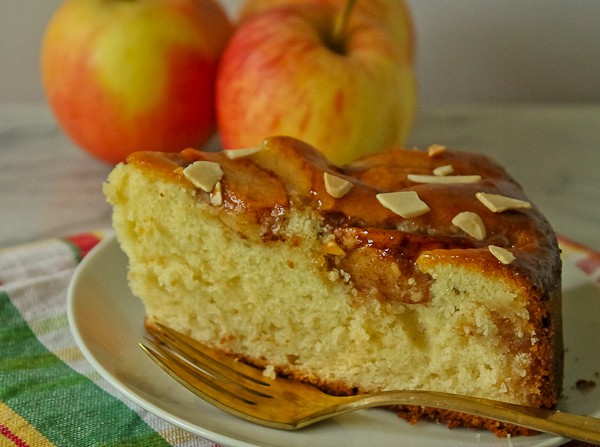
(468, 51)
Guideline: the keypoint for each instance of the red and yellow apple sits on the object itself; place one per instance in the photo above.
(285, 73)
(128, 75)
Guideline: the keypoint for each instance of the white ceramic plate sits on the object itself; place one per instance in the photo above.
(106, 321)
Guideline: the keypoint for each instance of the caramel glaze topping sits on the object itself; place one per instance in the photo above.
(381, 247)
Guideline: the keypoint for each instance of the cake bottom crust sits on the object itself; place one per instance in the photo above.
(453, 419)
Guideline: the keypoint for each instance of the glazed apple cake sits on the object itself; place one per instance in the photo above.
(406, 269)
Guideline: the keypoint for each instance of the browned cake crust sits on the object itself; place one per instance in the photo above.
(256, 191)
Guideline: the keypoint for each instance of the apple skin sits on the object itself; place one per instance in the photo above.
(128, 75)
(278, 76)
(393, 14)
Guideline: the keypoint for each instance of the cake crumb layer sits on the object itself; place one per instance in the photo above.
(343, 292)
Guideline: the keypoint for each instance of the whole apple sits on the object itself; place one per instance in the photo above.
(282, 73)
(128, 75)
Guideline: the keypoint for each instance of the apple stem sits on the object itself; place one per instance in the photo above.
(339, 29)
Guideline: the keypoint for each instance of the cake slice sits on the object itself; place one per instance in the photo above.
(406, 269)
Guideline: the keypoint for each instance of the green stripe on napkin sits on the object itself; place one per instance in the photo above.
(63, 405)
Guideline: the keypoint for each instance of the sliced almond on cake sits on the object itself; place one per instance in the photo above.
(418, 178)
(336, 186)
(498, 203)
(443, 170)
(502, 254)
(204, 174)
(406, 204)
(435, 149)
(471, 224)
(232, 154)
(216, 196)
(332, 248)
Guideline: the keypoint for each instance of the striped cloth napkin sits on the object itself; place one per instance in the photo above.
(49, 394)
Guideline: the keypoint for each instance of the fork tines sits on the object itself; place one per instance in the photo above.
(210, 374)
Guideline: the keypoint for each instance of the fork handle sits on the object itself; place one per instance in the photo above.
(583, 428)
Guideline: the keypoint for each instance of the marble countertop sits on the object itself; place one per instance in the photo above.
(49, 188)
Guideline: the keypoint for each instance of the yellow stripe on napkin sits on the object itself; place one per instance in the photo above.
(16, 429)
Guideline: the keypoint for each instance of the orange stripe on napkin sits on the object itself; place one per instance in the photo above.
(85, 242)
(586, 259)
(18, 431)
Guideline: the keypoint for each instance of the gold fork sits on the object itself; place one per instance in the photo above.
(244, 391)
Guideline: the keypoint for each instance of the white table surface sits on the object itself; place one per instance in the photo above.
(50, 188)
